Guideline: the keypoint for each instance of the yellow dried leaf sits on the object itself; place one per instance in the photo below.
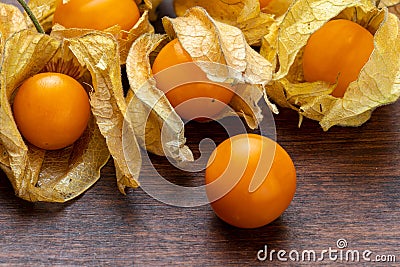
(39, 175)
(43, 11)
(378, 81)
(64, 61)
(149, 111)
(245, 15)
(141, 27)
(144, 4)
(269, 44)
(99, 53)
(11, 21)
(4, 156)
(303, 19)
(207, 40)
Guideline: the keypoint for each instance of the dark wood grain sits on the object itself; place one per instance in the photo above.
(348, 187)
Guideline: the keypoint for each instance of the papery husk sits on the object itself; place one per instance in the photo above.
(149, 110)
(378, 81)
(36, 174)
(99, 53)
(4, 156)
(220, 43)
(11, 21)
(226, 45)
(61, 175)
(43, 11)
(124, 38)
(243, 14)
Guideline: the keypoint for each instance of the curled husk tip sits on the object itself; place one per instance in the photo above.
(243, 14)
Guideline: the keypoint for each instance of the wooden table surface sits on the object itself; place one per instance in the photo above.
(348, 188)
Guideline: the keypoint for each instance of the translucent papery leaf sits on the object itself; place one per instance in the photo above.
(141, 27)
(207, 40)
(377, 83)
(303, 19)
(11, 21)
(145, 4)
(245, 15)
(4, 156)
(36, 174)
(99, 53)
(64, 61)
(43, 11)
(157, 126)
(73, 170)
(293, 95)
(269, 44)
(245, 104)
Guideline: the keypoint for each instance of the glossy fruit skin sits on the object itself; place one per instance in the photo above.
(264, 3)
(338, 50)
(240, 207)
(186, 86)
(96, 14)
(51, 110)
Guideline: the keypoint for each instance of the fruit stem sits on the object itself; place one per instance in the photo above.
(31, 16)
(377, 2)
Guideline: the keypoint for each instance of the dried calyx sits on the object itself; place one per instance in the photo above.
(91, 58)
(377, 82)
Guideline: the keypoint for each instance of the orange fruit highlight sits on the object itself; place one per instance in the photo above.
(51, 110)
(96, 14)
(186, 86)
(337, 52)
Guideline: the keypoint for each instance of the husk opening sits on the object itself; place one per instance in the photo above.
(61, 175)
(313, 100)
